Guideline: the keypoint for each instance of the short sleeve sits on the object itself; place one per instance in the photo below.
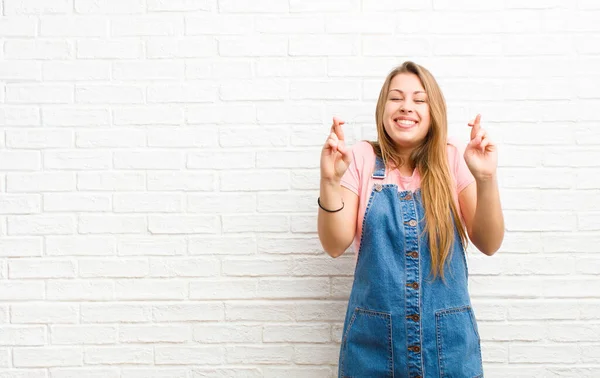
(351, 178)
(462, 174)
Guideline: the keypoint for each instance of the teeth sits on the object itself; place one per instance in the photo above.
(406, 122)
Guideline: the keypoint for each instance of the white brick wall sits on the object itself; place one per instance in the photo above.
(159, 173)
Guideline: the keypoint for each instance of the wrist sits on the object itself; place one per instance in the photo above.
(485, 180)
(330, 182)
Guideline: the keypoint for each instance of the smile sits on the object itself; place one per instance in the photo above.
(405, 123)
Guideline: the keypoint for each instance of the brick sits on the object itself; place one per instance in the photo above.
(255, 223)
(316, 354)
(119, 224)
(292, 67)
(180, 355)
(115, 312)
(81, 335)
(110, 6)
(148, 115)
(79, 290)
(542, 353)
(118, 268)
(147, 203)
(38, 49)
(148, 70)
(154, 334)
(189, 267)
(232, 288)
(69, 26)
(253, 46)
(79, 116)
(110, 49)
(20, 116)
(20, 204)
(147, 25)
(110, 138)
(145, 159)
(190, 47)
(18, 26)
(21, 247)
(80, 246)
(188, 311)
(280, 24)
(19, 7)
(19, 160)
(109, 94)
(256, 267)
(220, 24)
(259, 311)
(42, 313)
(38, 268)
(179, 5)
(256, 90)
(175, 93)
(154, 373)
(47, 357)
(138, 355)
(41, 225)
(109, 181)
(21, 290)
(84, 373)
(324, 45)
(196, 136)
(16, 336)
(183, 224)
(224, 244)
(266, 354)
(284, 333)
(77, 160)
(215, 333)
(39, 138)
(151, 246)
(184, 181)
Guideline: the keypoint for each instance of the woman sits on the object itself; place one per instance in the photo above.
(408, 202)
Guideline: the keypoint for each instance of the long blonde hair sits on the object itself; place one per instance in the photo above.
(431, 161)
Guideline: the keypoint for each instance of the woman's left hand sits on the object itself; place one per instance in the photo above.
(481, 153)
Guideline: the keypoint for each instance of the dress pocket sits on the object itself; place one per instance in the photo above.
(459, 351)
(367, 345)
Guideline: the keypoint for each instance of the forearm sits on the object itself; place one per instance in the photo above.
(488, 222)
(336, 230)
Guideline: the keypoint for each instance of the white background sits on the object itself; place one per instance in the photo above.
(159, 175)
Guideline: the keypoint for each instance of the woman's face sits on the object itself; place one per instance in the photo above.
(406, 115)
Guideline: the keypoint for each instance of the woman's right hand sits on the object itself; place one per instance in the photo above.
(335, 156)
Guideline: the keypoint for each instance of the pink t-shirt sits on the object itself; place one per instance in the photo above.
(358, 177)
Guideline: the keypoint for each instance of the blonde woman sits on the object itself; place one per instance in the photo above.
(407, 203)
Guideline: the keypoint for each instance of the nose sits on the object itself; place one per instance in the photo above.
(405, 108)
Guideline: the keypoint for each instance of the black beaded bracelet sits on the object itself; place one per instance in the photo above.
(329, 211)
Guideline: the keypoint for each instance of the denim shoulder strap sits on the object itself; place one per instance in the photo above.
(379, 170)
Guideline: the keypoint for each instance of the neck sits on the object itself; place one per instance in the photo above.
(406, 169)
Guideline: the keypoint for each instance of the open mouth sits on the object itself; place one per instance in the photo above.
(405, 123)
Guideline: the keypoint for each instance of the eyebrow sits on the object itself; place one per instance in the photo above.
(415, 92)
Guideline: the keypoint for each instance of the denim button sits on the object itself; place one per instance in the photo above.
(412, 223)
(415, 348)
(378, 187)
(414, 317)
(413, 254)
(414, 285)
(407, 197)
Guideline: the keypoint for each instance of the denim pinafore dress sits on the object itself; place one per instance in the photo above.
(400, 322)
